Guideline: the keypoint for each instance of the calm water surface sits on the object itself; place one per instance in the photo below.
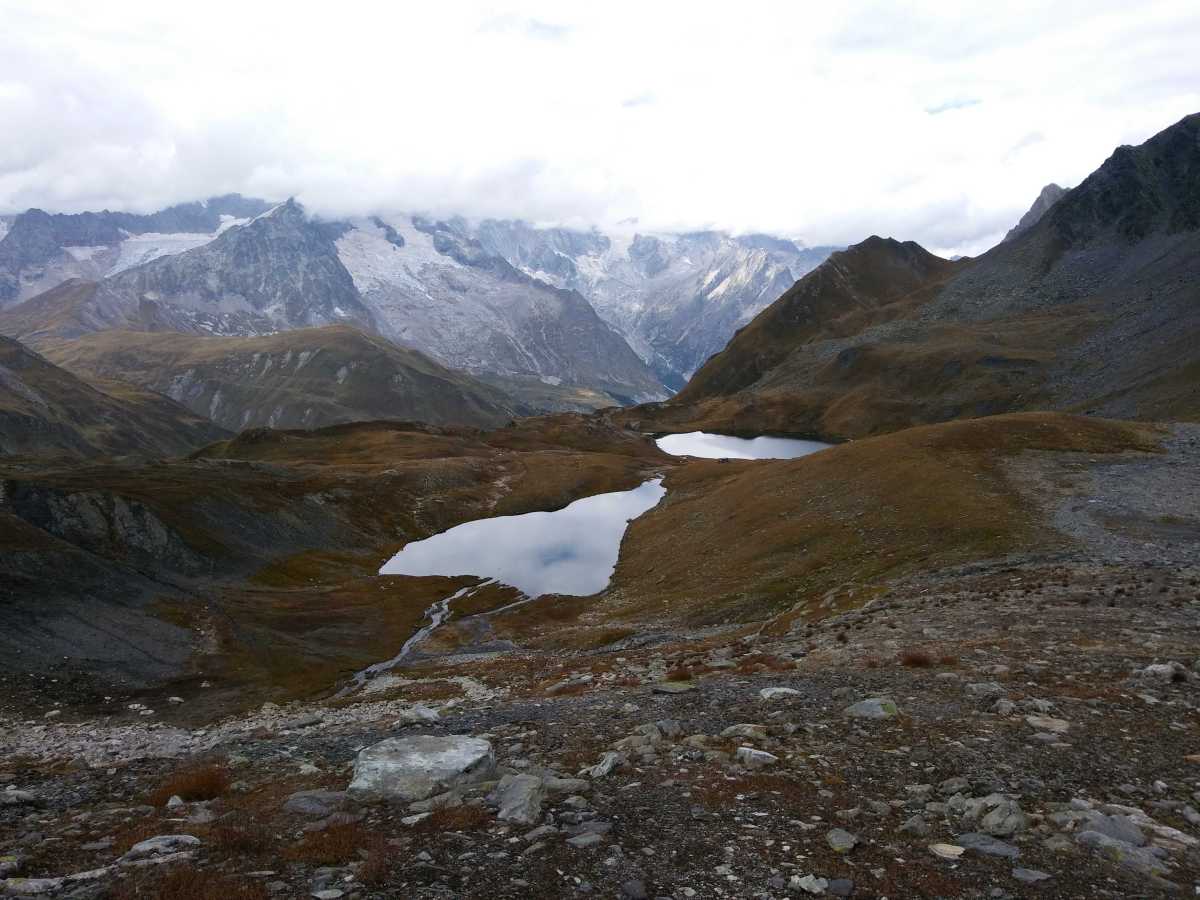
(721, 446)
(570, 551)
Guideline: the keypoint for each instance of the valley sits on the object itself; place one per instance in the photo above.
(396, 555)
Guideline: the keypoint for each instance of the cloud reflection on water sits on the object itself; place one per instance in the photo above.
(570, 551)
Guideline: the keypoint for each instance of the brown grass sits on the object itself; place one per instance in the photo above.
(186, 883)
(719, 792)
(335, 846)
(762, 662)
(846, 520)
(240, 833)
(205, 781)
(916, 659)
(456, 818)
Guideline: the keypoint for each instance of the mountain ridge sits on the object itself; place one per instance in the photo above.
(45, 409)
(1094, 308)
(303, 378)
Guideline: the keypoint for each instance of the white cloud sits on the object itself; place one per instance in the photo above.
(815, 121)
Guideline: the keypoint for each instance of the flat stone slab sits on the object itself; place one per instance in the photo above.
(872, 708)
(988, 845)
(673, 687)
(777, 693)
(1048, 723)
(414, 768)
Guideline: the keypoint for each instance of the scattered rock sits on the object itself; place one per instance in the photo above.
(316, 804)
(872, 708)
(987, 845)
(840, 840)
(1048, 723)
(777, 693)
(755, 759)
(1030, 876)
(810, 884)
(161, 846)
(608, 762)
(946, 851)
(521, 798)
(673, 687)
(749, 732)
(583, 841)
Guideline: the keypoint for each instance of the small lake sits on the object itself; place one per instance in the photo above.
(722, 446)
(570, 551)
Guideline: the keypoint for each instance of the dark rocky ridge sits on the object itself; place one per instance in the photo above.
(45, 410)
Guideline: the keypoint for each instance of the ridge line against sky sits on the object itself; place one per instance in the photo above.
(925, 121)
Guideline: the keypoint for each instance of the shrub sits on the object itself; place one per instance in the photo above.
(335, 846)
(915, 659)
(200, 782)
(240, 833)
(456, 818)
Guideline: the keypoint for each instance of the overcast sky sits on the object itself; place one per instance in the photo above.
(937, 122)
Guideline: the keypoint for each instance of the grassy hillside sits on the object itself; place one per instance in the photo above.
(749, 541)
(307, 378)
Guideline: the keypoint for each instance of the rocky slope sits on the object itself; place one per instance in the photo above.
(39, 250)
(307, 378)
(1094, 308)
(47, 411)
(677, 298)
(431, 287)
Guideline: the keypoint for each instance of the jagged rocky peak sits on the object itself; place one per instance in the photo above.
(40, 250)
(1049, 195)
(676, 297)
(278, 271)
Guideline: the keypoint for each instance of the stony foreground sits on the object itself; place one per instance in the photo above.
(1024, 730)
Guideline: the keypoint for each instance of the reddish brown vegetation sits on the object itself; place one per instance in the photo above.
(335, 846)
(186, 883)
(915, 659)
(199, 782)
(456, 818)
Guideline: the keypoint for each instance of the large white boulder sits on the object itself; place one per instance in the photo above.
(414, 768)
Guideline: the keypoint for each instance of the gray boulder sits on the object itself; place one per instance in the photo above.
(162, 845)
(520, 798)
(413, 768)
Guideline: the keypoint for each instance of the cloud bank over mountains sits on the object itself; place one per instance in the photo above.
(934, 124)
